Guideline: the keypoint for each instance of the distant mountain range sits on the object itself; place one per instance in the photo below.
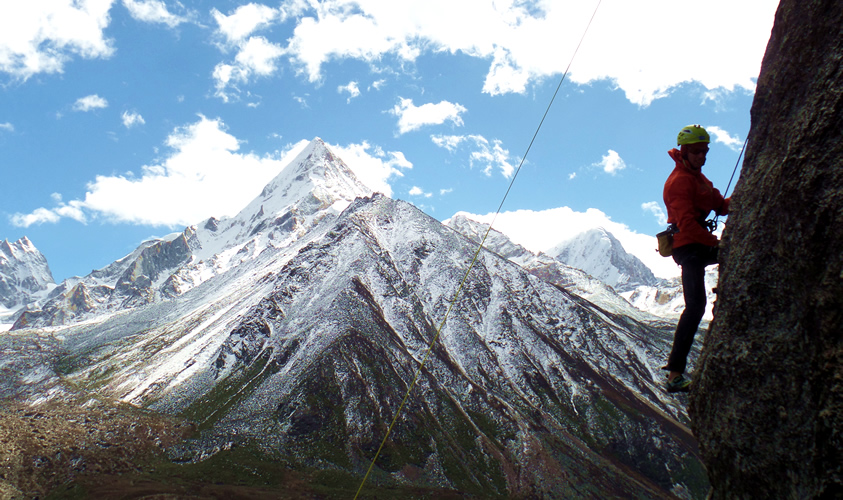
(294, 329)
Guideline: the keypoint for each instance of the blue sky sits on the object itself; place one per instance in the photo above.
(126, 119)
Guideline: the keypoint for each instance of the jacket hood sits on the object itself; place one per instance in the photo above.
(680, 162)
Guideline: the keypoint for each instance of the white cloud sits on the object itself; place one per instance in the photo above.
(655, 208)
(638, 46)
(572, 176)
(530, 229)
(611, 163)
(723, 137)
(37, 217)
(7, 127)
(377, 84)
(41, 37)
(90, 102)
(449, 142)
(352, 89)
(152, 11)
(256, 57)
(417, 191)
(245, 20)
(132, 119)
(72, 210)
(204, 175)
(411, 117)
(373, 168)
(445, 191)
(491, 155)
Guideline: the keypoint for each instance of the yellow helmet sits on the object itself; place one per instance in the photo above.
(692, 134)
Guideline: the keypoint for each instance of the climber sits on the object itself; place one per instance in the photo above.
(689, 197)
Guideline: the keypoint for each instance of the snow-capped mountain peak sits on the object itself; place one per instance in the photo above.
(314, 188)
(600, 254)
(316, 179)
(24, 273)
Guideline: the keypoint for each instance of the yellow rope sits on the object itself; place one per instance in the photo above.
(471, 265)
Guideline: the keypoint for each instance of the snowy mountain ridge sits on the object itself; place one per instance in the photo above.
(314, 186)
(601, 255)
(24, 276)
(302, 338)
(655, 299)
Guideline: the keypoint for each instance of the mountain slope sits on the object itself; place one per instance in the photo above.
(551, 270)
(314, 186)
(303, 347)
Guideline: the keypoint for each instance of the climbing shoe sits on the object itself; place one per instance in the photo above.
(678, 384)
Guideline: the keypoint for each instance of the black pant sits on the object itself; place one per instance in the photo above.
(693, 258)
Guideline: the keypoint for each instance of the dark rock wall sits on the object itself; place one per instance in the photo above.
(768, 404)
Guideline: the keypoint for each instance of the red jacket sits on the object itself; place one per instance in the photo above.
(689, 197)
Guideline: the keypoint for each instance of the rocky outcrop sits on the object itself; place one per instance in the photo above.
(768, 405)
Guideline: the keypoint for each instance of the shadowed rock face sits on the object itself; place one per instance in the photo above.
(768, 405)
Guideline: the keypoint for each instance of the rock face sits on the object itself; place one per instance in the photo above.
(23, 273)
(768, 405)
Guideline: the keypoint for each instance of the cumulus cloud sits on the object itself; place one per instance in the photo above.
(412, 117)
(611, 163)
(72, 210)
(449, 142)
(131, 119)
(655, 208)
(417, 191)
(90, 102)
(352, 89)
(8, 127)
(492, 155)
(245, 20)
(515, 36)
(152, 11)
(723, 137)
(256, 56)
(205, 174)
(488, 154)
(41, 37)
(377, 84)
(372, 165)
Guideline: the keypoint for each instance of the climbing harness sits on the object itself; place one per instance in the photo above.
(473, 260)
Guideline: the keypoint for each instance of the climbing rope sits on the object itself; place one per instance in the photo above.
(474, 259)
(736, 166)
(730, 179)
